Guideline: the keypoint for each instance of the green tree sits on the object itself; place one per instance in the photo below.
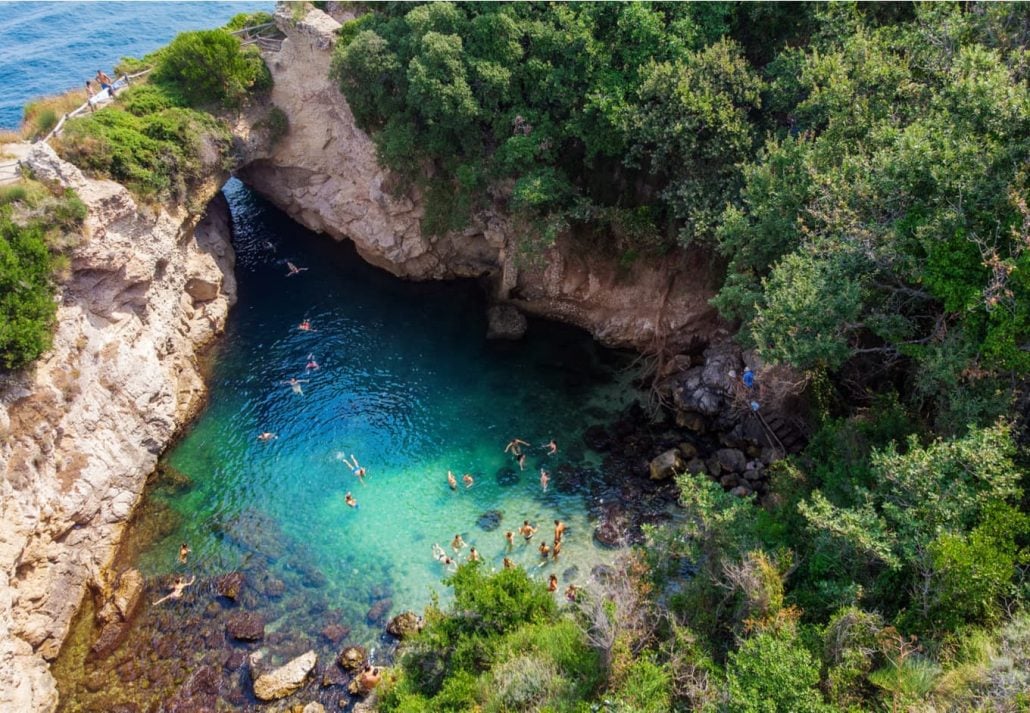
(208, 67)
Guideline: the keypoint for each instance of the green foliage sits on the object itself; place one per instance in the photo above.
(772, 672)
(276, 123)
(209, 67)
(34, 225)
(160, 155)
(248, 19)
(143, 99)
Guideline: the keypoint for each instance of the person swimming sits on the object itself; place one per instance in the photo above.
(294, 270)
(294, 384)
(508, 564)
(552, 447)
(545, 478)
(438, 552)
(559, 530)
(266, 436)
(184, 552)
(522, 461)
(452, 481)
(350, 500)
(513, 446)
(305, 326)
(467, 480)
(473, 555)
(509, 537)
(527, 530)
(355, 467)
(457, 543)
(552, 583)
(312, 364)
(545, 551)
(177, 588)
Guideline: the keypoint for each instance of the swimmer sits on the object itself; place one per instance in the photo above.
(522, 461)
(269, 245)
(552, 583)
(450, 564)
(556, 550)
(509, 537)
(312, 364)
(527, 530)
(473, 555)
(350, 500)
(438, 552)
(508, 564)
(467, 480)
(544, 479)
(545, 551)
(559, 530)
(294, 270)
(552, 447)
(513, 446)
(369, 678)
(295, 385)
(355, 467)
(266, 436)
(572, 593)
(184, 552)
(179, 585)
(452, 481)
(457, 543)
(305, 326)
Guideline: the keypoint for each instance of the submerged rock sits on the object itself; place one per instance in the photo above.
(230, 585)
(246, 626)
(490, 520)
(608, 534)
(505, 322)
(378, 611)
(507, 476)
(335, 633)
(286, 679)
(405, 624)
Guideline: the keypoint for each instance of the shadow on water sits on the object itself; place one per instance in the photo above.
(407, 383)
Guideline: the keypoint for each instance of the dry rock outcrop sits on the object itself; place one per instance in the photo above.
(82, 428)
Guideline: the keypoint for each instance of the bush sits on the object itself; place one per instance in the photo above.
(143, 99)
(773, 673)
(209, 67)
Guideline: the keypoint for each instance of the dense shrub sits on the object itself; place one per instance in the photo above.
(209, 67)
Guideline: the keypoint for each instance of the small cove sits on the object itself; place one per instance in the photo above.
(409, 385)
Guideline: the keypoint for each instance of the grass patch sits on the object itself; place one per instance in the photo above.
(41, 115)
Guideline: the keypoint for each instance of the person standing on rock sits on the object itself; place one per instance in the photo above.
(184, 553)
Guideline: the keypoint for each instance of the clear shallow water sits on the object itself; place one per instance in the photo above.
(407, 383)
(50, 47)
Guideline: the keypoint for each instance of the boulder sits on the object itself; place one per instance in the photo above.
(490, 520)
(335, 633)
(691, 421)
(507, 476)
(608, 534)
(752, 474)
(334, 676)
(122, 602)
(666, 465)
(505, 322)
(353, 658)
(313, 707)
(378, 611)
(246, 626)
(405, 624)
(741, 491)
(286, 679)
(688, 450)
(695, 466)
(230, 585)
(202, 289)
(731, 460)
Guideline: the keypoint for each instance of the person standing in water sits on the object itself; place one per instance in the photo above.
(572, 593)
(559, 530)
(457, 543)
(184, 553)
(552, 447)
(522, 461)
(177, 588)
(513, 446)
(452, 481)
(552, 583)
(508, 564)
(527, 530)
(544, 550)
(467, 480)
(473, 555)
(509, 537)
(544, 479)
(556, 550)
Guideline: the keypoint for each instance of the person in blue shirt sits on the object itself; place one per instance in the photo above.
(749, 377)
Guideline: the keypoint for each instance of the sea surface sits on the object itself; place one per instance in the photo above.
(407, 383)
(50, 47)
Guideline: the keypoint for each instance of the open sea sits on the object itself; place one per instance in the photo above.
(50, 47)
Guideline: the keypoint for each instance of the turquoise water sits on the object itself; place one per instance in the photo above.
(408, 384)
(50, 47)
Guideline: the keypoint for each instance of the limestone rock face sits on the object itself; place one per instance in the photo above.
(286, 679)
(324, 173)
(81, 429)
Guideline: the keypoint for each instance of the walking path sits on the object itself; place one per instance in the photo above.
(11, 156)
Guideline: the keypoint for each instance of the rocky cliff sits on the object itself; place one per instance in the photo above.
(324, 173)
(82, 429)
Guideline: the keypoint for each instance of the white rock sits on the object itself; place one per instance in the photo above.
(286, 679)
